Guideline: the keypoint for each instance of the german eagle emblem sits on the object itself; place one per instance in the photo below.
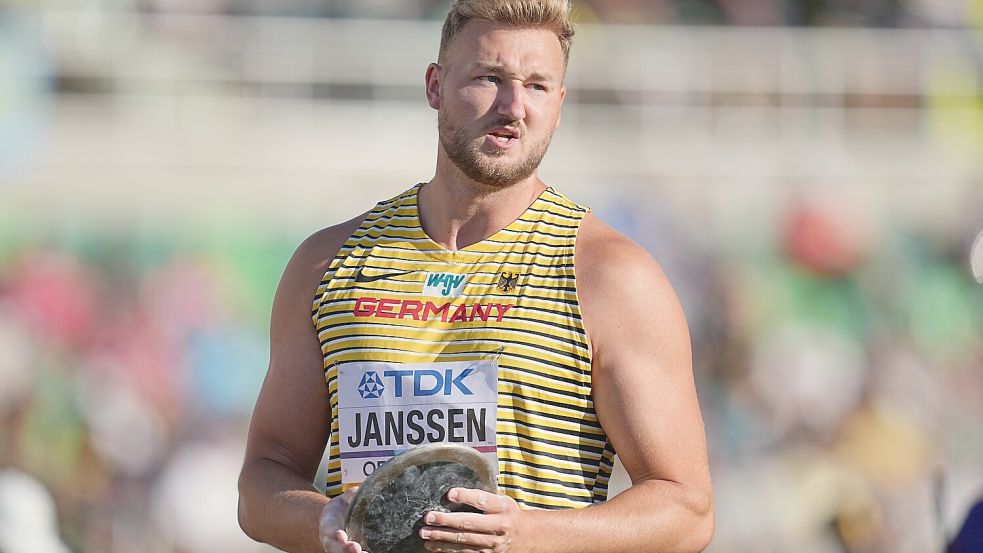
(507, 282)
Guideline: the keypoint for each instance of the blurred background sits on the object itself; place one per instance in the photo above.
(808, 172)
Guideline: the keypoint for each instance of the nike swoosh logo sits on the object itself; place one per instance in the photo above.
(360, 277)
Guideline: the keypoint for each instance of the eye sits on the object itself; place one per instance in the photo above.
(490, 79)
(538, 87)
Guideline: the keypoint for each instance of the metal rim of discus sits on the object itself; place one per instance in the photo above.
(388, 472)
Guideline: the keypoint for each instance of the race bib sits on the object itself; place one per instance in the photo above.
(386, 408)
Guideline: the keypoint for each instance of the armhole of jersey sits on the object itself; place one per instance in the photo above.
(350, 243)
(336, 262)
(576, 284)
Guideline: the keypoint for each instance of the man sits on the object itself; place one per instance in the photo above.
(588, 354)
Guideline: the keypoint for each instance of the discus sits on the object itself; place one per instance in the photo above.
(386, 514)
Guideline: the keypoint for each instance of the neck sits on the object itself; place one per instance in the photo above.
(457, 212)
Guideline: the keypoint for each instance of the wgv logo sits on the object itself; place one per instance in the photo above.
(429, 382)
(444, 284)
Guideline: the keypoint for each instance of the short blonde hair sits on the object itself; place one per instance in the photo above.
(554, 14)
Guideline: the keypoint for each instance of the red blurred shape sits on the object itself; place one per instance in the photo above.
(53, 294)
(822, 241)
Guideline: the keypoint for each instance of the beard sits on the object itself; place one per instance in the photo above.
(492, 169)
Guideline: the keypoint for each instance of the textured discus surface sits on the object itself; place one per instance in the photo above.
(387, 512)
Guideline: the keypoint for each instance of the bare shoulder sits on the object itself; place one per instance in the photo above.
(605, 256)
(314, 255)
(620, 285)
(318, 249)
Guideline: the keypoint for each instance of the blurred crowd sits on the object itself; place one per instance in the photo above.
(129, 369)
(869, 13)
(839, 367)
(839, 363)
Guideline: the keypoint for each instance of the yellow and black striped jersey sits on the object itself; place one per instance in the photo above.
(392, 295)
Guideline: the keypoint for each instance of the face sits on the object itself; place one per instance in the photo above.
(498, 94)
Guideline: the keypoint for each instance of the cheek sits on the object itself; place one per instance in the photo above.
(476, 100)
(546, 111)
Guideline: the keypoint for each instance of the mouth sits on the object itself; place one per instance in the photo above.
(503, 136)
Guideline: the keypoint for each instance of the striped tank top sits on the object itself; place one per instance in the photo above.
(392, 295)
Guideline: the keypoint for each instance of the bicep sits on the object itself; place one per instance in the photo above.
(642, 379)
(292, 417)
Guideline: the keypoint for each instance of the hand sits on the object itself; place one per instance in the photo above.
(494, 530)
(334, 538)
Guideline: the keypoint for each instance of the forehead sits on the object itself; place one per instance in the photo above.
(516, 48)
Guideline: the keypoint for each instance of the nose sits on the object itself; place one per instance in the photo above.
(511, 100)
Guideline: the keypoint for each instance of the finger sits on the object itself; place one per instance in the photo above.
(467, 540)
(349, 545)
(470, 522)
(450, 547)
(329, 528)
(480, 499)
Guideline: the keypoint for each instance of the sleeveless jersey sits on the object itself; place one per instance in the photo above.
(384, 298)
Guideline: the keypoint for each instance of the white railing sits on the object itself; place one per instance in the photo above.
(627, 64)
(729, 115)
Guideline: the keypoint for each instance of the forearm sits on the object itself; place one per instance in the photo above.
(652, 516)
(278, 507)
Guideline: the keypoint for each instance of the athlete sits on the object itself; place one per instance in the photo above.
(486, 283)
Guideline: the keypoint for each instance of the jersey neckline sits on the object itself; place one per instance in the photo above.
(490, 244)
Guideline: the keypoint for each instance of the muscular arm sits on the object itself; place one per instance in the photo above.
(278, 503)
(645, 399)
(646, 402)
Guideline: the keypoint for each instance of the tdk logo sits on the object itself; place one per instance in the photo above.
(371, 387)
(426, 382)
(444, 284)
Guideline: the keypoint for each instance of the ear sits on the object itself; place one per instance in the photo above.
(563, 94)
(433, 85)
